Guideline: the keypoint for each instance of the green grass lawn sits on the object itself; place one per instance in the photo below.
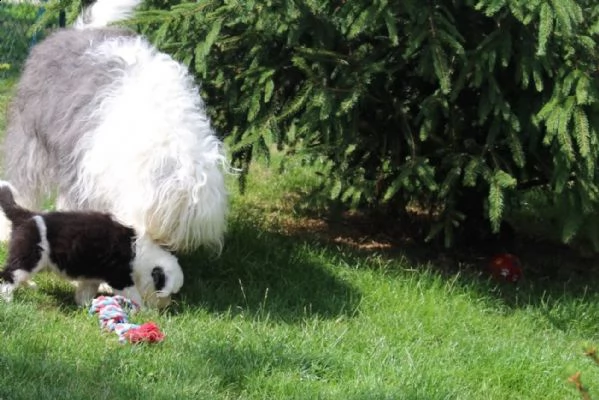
(294, 310)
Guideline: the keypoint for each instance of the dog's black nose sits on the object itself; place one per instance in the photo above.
(159, 278)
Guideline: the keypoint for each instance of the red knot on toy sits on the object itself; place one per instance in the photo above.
(112, 312)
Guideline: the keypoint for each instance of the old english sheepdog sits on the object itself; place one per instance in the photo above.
(88, 247)
(104, 121)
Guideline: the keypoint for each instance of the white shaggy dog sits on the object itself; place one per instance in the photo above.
(104, 121)
(89, 247)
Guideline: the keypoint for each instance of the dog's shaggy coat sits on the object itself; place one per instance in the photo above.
(89, 247)
(105, 121)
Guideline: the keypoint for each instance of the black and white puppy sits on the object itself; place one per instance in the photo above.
(88, 247)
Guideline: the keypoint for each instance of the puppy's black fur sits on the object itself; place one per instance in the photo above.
(80, 245)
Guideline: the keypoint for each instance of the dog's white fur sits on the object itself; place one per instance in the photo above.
(162, 174)
(149, 155)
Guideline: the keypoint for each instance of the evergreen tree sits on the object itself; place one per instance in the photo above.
(452, 106)
(15, 21)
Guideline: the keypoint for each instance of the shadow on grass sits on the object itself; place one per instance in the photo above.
(241, 367)
(557, 281)
(547, 264)
(560, 284)
(266, 273)
(238, 367)
(293, 274)
(36, 376)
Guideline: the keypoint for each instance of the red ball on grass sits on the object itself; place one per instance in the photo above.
(506, 267)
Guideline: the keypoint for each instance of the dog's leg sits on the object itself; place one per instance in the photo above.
(86, 291)
(24, 260)
(12, 279)
(5, 228)
(6, 290)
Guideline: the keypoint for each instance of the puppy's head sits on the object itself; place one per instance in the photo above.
(156, 273)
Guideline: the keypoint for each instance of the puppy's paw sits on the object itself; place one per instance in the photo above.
(6, 291)
(85, 293)
(31, 285)
(105, 288)
(5, 228)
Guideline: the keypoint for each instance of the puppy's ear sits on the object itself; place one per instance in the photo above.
(159, 278)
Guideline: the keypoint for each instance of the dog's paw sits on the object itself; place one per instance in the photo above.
(31, 285)
(85, 292)
(105, 288)
(6, 291)
(5, 228)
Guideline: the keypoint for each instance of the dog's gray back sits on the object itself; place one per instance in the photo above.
(54, 98)
(59, 83)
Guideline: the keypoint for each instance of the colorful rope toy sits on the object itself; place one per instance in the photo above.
(111, 311)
